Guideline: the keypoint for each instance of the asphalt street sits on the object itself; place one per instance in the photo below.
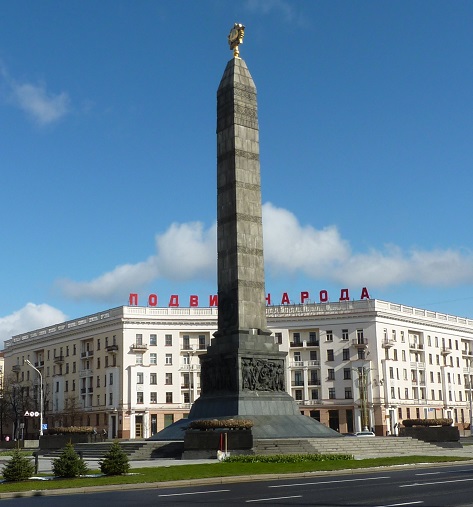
(446, 486)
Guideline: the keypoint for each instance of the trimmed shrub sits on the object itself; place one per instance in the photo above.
(66, 430)
(69, 464)
(115, 461)
(408, 423)
(212, 424)
(18, 468)
(287, 458)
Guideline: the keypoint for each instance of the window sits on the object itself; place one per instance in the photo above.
(330, 355)
(348, 393)
(331, 374)
(313, 339)
(430, 359)
(314, 394)
(202, 345)
(313, 355)
(331, 393)
(168, 359)
(139, 377)
(138, 358)
(74, 367)
(67, 368)
(346, 354)
(360, 337)
(153, 397)
(402, 337)
(168, 379)
(153, 358)
(403, 355)
(395, 355)
(168, 340)
(297, 356)
(73, 385)
(345, 334)
(110, 399)
(110, 381)
(168, 397)
(66, 386)
(153, 379)
(277, 338)
(98, 343)
(186, 342)
(346, 374)
(298, 394)
(328, 336)
(391, 372)
(153, 340)
(393, 393)
(139, 398)
(98, 380)
(139, 339)
(361, 354)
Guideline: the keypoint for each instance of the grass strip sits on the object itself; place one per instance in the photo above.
(214, 470)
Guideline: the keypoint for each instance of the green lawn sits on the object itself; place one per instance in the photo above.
(186, 472)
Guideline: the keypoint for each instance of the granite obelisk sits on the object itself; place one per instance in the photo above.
(243, 372)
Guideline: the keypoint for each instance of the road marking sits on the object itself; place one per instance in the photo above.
(274, 498)
(438, 473)
(198, 492)
(400, 504)
(433, 483)
(328, 482)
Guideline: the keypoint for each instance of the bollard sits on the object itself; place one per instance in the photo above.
(36, 462)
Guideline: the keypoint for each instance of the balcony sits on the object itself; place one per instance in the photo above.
(446, 351)
(39, 364)
(86, 353)
(297, 383)
(296, 364)
(112, 348)
(187, 386)
(138, 347)
(360, 343)
(313, 343)
(85, 373)
(58, 359)
(416, 346)
(386, 344)
(314, 362)
(16, 368)
(314, 382)
(297, 343)
(186, 346)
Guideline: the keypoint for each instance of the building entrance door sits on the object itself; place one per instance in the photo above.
(333, 420)
(139, 426)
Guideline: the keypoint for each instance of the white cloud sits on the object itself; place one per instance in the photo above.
(188, 252)
(43, 106)
(283, 8)
(290, 247)
(183, 252)
(31, 316)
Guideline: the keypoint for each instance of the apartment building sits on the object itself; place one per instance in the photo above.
(133, 370)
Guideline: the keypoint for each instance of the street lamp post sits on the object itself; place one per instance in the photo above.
(28, 362)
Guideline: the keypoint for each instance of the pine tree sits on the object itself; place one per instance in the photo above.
(115, 461)
(18, 468)
(69, 464)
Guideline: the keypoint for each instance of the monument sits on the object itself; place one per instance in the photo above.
(243, 371)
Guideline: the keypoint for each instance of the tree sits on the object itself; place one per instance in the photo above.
(69, 464)
(19, 468)
(73, 411)
(115, 461)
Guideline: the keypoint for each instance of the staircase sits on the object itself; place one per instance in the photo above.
(135, 450)
(359, 447)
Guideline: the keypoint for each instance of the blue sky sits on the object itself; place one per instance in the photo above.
(107, 150)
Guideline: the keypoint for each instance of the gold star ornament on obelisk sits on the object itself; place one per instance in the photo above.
(235, 38)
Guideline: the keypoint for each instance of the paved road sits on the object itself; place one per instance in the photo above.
(447, 486)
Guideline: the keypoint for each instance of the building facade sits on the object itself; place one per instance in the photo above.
(133, 370)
